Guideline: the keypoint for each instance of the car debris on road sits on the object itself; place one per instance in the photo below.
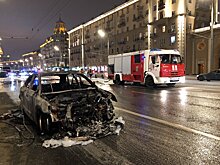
(85, 135)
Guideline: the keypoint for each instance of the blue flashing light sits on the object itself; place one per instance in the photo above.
(155, 49)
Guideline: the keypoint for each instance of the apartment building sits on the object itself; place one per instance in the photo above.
(137, 25)
(31, 60)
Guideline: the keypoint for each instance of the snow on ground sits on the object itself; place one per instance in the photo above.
(66, 142)
(116, 127)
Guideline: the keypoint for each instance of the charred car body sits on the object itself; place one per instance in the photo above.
(65, 98)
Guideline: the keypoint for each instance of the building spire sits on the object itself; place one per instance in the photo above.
(60, 26)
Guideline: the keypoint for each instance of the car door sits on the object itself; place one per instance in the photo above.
(153, 65)
(217, 75)
(212, 75)
(24, 93)
(31, 96)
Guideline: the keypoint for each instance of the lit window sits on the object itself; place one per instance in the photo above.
(190, 26)
(172, 39)
(155, 7)
(163, 29)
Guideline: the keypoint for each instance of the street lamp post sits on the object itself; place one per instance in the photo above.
(83, 49)
(102, 34)
(211, 36)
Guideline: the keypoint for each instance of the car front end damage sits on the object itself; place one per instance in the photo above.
(80, 108)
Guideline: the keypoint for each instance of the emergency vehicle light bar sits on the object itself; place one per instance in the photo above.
(155, 49)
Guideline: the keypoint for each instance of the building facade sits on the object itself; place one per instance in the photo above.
(141, 24)
(1, 54)
(32, 60)
(55, 49)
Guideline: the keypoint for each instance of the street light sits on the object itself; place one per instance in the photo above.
(56, 48)
(83, 49)
(211, 27)
(102, 34)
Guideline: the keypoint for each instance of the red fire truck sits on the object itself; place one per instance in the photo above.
(151, 67)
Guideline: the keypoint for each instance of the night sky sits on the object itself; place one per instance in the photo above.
(30, 22)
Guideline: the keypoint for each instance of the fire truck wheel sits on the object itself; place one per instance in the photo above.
(149, 82)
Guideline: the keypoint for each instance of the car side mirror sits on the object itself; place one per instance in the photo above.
(93, 84)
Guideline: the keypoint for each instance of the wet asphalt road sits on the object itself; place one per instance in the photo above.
(177, 125)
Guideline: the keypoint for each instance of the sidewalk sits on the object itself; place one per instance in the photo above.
(191, 77)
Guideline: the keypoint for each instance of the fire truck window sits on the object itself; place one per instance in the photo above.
(175, 59)
(157, 59)
(153, 59)
(165, 58)
(137, 58)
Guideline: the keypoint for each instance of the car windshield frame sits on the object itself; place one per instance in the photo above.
(81, 79)
(34, 82)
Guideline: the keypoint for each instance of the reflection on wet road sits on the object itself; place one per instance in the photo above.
(163, 126)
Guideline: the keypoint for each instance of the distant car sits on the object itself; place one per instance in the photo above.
(213, 75)
(3, 74)
(66, 98)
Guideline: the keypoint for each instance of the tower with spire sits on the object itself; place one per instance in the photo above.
(60, 27)
(55, 49)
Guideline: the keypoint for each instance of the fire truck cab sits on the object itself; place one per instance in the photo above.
(151, 67)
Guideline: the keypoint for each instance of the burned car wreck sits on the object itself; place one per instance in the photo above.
(65, 100)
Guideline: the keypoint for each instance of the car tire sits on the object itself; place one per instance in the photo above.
(201, 78)
(44, 122)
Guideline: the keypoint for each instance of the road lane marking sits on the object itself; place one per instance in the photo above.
(174, 125)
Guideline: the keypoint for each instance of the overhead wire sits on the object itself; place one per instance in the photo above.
(46, 22)
(45, 16)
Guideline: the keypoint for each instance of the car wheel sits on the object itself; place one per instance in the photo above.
(44, 122)
(149, 82)
(201, 78)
